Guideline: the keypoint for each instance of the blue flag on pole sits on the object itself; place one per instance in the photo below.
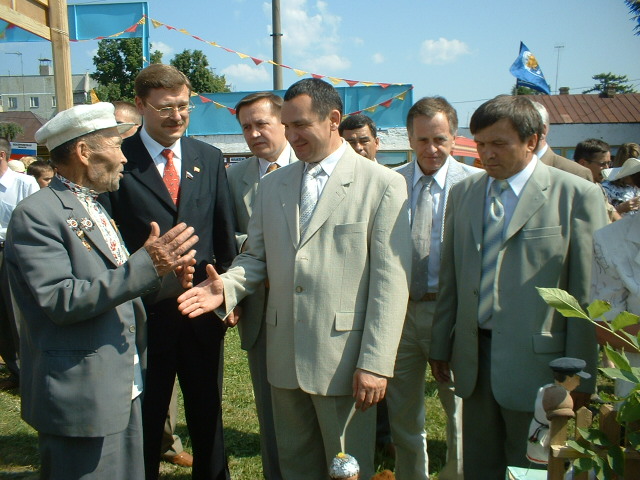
(527, 71)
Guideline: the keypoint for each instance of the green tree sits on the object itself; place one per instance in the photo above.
(117, 64)
(634, 8)
(196, 67)
(515, 90)
(10, 130)
(606, 80)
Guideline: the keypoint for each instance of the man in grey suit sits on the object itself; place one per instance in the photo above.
(259, 117)
(338, 274)
(519, 226)
(432, 124)
(549, 157)
(83, 326)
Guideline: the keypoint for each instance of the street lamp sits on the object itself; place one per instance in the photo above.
(24, 102)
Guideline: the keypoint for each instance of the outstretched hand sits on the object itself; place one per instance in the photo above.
(204, 297)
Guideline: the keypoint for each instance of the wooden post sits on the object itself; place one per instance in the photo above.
(557, 437)
(59, 24)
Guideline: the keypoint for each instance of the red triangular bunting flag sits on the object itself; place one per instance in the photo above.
(197, 38)
(228, 50)
(205, 99)
(257, 61)
(232, 111)
(351, 83)
(387, 103)
(315, 75)
(384, 85)
(132, 28)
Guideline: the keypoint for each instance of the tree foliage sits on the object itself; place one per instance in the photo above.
(195, 66)
(515, 90)
(117, 64)
(634, 8)
(605, 80)
(10, 130)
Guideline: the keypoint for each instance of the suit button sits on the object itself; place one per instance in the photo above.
(132, 328)
(299, 289)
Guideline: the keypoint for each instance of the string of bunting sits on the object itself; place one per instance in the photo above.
(256, 61)
(386, 104)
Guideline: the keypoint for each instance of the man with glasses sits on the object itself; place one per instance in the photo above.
(594, 154)
(170, 179)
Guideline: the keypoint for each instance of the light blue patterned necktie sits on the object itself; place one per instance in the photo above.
(421, 237)
(308, 195)
(491, 244)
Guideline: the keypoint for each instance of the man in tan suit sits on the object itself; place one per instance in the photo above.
(519, 226)
(259, 117)
(338, 275)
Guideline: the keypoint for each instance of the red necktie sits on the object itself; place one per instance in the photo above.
(170, 177)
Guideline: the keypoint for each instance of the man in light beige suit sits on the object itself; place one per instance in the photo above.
(338, 291)
(519, 226)
(259, 117)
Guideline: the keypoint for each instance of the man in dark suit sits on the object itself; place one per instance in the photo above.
(83, 345)
(171, 179)
(549, 157)
(519, 226)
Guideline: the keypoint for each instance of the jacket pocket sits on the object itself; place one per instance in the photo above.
(348, 321)
(542, 232)
(549, 342)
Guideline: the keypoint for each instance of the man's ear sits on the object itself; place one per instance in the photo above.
(83, 151)
(532, 143)
(334, 118)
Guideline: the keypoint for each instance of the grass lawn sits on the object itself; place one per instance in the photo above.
(18, 441)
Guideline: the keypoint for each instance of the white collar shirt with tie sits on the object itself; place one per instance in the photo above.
(155, 152)
(511, 195)
(283, 160)
(437, 217)
(328, 165)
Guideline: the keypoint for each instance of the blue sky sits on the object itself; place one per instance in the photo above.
(460, 49)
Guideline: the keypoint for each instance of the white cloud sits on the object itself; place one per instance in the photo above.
(166, 50)
(441, 51)
(244, 74)
(358, 41)
(377, 58)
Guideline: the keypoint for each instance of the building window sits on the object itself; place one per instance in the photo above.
(12, 103)
(34, 102)
(54, 103)
(0, 101)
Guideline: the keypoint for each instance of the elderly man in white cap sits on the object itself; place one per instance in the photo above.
(83, 332)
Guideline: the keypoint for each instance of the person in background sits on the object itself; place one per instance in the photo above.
(170, 178)
(171, 448)
(360, 132)
(13, 188)
(17, 166)
(621, 192)
(432, 125)
(42, 171)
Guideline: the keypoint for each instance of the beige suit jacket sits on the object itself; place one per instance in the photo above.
(244, 178)
(547, 244)
(338, 296)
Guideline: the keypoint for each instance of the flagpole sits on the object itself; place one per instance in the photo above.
(558, 48)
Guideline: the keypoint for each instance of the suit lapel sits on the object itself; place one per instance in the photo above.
(477, 196)
(75, 213)
(533, 196)
(140, 166)
(455, 173)
(192, 168)
(332, 195)
(250, 182)
(290, 198)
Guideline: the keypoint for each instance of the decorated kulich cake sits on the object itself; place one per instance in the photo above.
(344, 467)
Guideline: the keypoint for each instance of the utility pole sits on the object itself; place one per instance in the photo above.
(558, 47)
(277, 45)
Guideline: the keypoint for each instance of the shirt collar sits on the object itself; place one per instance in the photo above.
(78, 190)
(542, 151)
(283, 159)
(155, 149)
(440, 177)
(329, 163)
(519, 180)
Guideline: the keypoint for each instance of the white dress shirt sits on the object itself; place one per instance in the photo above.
(283, 160)
(155, 151)
(13, 188)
